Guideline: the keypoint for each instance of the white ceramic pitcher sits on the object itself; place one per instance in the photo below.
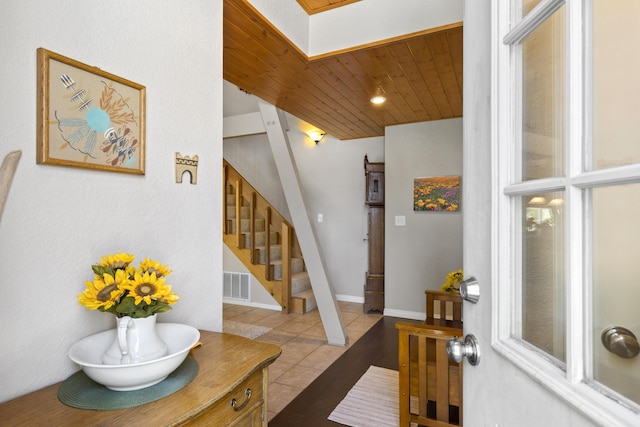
(136, 341)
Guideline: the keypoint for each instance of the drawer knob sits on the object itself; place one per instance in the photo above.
(234, 402)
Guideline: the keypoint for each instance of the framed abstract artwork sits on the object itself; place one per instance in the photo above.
(88, 118)
(437, 194)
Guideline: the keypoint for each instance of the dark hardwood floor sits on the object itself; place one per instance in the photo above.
(312, 407)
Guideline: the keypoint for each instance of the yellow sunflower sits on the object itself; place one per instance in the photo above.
(455, 276)
(151, 266)
(452, 280)
(148, 287)
(170, 298)
(104, 292)
(116, 261)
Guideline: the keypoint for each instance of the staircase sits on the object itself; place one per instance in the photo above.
(273, 257)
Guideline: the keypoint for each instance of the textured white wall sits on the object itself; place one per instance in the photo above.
(58, 221)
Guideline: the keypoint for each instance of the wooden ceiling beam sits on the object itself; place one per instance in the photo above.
(317, 6)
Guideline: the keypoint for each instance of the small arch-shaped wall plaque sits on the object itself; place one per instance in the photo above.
(186, 164)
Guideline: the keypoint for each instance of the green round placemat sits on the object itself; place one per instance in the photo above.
(80, 391)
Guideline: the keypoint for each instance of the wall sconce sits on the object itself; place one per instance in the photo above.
(316, 135)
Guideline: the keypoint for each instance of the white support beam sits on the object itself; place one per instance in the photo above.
(242, 125)
(275, 124)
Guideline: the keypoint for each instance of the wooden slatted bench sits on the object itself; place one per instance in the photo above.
(430, 385)
(449, 305)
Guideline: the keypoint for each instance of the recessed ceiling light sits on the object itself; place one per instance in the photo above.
(538, 200)
(379, 99)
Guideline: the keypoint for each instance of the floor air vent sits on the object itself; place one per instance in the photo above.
(236, 286)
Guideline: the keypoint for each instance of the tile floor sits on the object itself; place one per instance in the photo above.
(305, 352)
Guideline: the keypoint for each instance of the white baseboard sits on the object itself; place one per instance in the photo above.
(273, 307)
(404, 314)
(350, 298)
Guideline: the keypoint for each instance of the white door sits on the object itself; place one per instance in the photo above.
(551, 207)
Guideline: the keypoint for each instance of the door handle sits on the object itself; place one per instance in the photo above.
(620, 341)
(470, 290)
(457, 350)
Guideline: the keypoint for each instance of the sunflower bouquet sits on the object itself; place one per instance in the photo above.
(452, 281)
(121, 289)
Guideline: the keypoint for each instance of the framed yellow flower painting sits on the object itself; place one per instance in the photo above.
(437, 194)
(88, 118)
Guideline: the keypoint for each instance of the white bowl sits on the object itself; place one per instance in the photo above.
(88, 354)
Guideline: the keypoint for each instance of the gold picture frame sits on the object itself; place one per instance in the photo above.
(88, 118)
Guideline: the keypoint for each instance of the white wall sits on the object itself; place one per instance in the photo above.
(419, 255)
(58, 221)
(369, 21)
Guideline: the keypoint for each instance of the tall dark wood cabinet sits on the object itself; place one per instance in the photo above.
(374, 286)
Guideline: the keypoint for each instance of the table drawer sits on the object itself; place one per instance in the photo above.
(222, 413)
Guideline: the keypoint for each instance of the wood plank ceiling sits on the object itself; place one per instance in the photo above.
(317, 6)
(419, 74)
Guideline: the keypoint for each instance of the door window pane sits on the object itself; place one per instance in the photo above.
(526, 6)
(616, 87)
(543, 317)
(616, 283)
(543, 100)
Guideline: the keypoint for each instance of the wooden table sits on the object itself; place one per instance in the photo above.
(229, 365)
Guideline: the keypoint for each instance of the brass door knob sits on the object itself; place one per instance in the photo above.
(620, 341)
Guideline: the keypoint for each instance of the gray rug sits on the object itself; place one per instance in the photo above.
(244, 329)
(373, 401)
